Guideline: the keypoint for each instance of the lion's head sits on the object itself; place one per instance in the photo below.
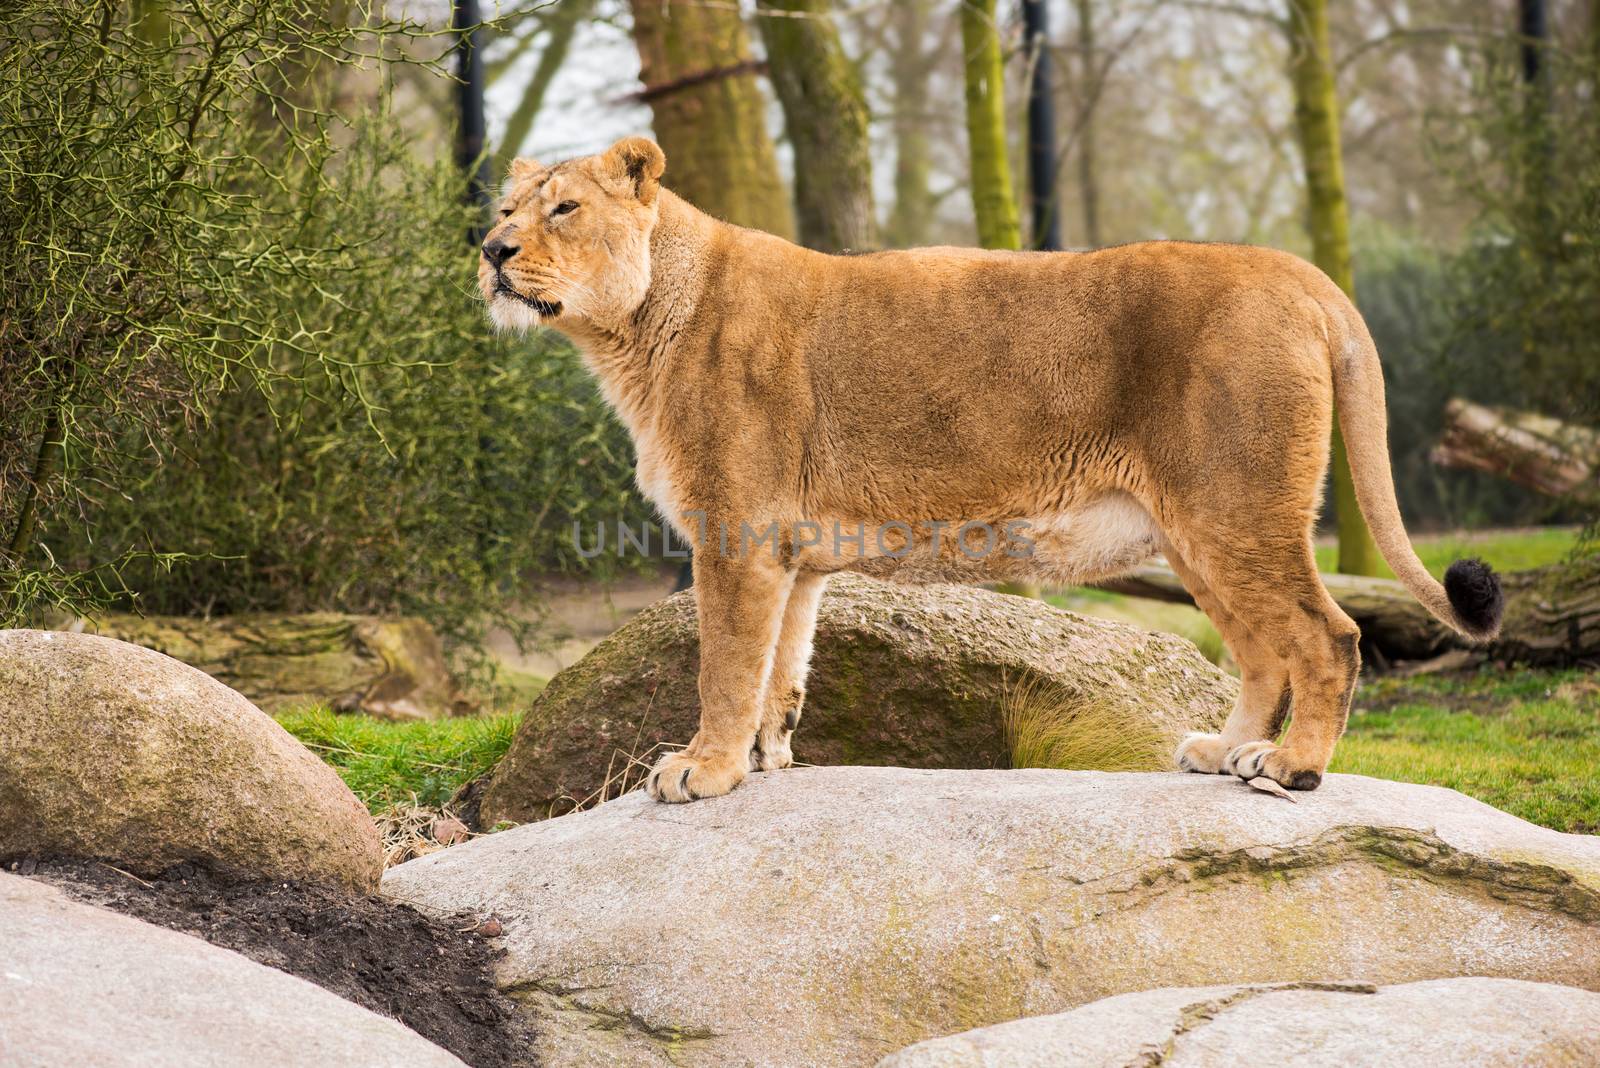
(573, 239)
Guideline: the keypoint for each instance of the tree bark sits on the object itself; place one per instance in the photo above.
(710, 116)
(471, 136)
(1532, 450)
(825, 113)
(1552, 614)
(913, 198)
(1041, 129)
(1088, 173)
(563, 24)
(993, 201)
(1316, 113)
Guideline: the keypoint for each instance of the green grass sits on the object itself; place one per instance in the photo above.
(1527, 742)
(1511, 550)
(386, 764)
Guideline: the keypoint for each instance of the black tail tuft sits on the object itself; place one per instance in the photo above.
(1474, 592)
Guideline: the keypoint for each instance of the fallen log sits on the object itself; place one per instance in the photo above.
(391, 667)
(1537, 451)
(1552, 615)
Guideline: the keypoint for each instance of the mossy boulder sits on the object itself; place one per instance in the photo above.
(391, 667)
(830, 916)
(910, 676)
(119, 753)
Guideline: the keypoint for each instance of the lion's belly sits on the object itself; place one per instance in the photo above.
(1107, 536)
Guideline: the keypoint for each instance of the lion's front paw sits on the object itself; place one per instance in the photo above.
(1203, 753)
(1282, 765)
(679, 777)
(771, 750)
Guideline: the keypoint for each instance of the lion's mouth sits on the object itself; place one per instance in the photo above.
(548, 309)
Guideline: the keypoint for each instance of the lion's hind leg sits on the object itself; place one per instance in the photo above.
(1278, 601)
(1264, 691)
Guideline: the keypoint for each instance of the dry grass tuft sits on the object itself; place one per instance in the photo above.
(410, 830)
(1046, 728)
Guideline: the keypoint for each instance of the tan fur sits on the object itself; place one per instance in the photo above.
(1101, 407)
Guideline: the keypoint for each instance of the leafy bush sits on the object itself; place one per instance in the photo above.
(452, 464)
(1529, 156)
(241, 355)
(1407, 293)
(154, 185)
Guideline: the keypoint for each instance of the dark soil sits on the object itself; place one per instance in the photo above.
(435, 976)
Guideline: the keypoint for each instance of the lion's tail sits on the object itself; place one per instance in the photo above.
(1469, 599)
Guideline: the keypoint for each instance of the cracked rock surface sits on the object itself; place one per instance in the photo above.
(81, 985)
(834, 915)
(1446, 1023)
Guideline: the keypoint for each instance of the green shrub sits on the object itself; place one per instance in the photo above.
(242, 360)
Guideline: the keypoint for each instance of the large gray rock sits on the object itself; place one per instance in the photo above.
(834, 915)
(1444, 1023)
(112, 751)
(910, 676)
(80, 985)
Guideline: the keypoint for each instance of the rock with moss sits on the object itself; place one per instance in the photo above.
(391, 667)
(912, 676)
(119, 753)
(835, 915)
(1450, 1023)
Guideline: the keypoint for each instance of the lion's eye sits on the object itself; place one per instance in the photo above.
(566, 207)
(505, 213)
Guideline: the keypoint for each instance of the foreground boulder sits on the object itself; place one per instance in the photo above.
(80, 985)
(834, 915)
(391, 667)
(911, 676)
(120, 753)
(1447, 1023)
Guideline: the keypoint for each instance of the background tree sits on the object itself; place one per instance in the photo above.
(709, 112)
(1316, 111)
(1041, 127)
(825, 115)
(910, 68)
(560, 23)
(1088, 175)
(993, 201)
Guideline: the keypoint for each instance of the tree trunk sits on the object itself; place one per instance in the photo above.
(1552, 614)
(471, 141)
(563, 24)
(1041, 129)
(1536, 451)
(825, 112)
(992, 199)
(1316, 113)
(913, 199)
(391, 667)
(710, 117)
(1088, 174)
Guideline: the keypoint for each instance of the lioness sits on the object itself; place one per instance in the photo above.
(1070, 414)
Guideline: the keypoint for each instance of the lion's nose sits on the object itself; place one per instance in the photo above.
(497, 251)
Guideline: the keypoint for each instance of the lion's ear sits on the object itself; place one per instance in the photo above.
(525, 168)
(640, 160)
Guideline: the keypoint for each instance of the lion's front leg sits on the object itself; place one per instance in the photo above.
(786, 687)
(740, 602)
